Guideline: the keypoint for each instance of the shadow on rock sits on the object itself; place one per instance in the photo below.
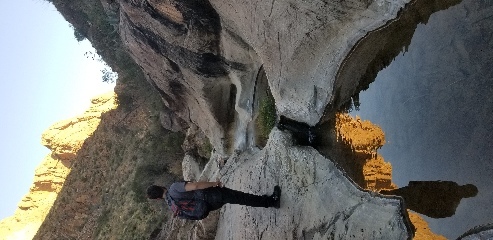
(435, 199)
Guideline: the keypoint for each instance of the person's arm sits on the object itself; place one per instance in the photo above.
(190, 186)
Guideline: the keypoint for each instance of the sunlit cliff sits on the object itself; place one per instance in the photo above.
(64, 139)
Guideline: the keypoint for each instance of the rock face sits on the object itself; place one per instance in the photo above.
(64, 138)
(302, 44)
(204, 58)
(32, 209)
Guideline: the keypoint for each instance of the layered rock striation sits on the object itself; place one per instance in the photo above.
(362, 139)
(64, 139)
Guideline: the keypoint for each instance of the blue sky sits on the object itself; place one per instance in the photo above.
(45, 78)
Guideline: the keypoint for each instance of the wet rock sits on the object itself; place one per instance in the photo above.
(177, 43)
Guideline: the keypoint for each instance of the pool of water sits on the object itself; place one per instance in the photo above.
(435, 105)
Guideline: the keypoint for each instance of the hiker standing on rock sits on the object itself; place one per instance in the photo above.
(194, 200)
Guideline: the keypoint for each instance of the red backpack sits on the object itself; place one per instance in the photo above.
(192, 209)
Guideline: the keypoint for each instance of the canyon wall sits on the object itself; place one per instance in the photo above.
(64, 139)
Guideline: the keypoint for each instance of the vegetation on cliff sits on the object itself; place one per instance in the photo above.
(266, 119)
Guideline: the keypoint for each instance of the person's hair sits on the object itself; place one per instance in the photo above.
(155, 192)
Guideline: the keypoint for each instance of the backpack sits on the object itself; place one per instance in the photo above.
(192, 209)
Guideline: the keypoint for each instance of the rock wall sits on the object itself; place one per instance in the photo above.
(204, 57)
(177, 43)
(64, 139)
(302, 44)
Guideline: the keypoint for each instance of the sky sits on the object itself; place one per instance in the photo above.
(434, 104)
(45, 78)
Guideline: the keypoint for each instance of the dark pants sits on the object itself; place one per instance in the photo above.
(216, 197)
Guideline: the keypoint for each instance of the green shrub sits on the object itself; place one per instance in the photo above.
(266, 119)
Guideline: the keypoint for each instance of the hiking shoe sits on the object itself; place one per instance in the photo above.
(276, 197)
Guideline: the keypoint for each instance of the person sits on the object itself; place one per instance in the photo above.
(214, 194)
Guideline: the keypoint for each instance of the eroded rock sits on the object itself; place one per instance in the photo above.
(66, 137)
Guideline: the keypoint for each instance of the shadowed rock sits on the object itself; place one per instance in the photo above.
(436, 199)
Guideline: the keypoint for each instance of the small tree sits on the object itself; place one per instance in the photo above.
(79, 36)
(108, 75)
